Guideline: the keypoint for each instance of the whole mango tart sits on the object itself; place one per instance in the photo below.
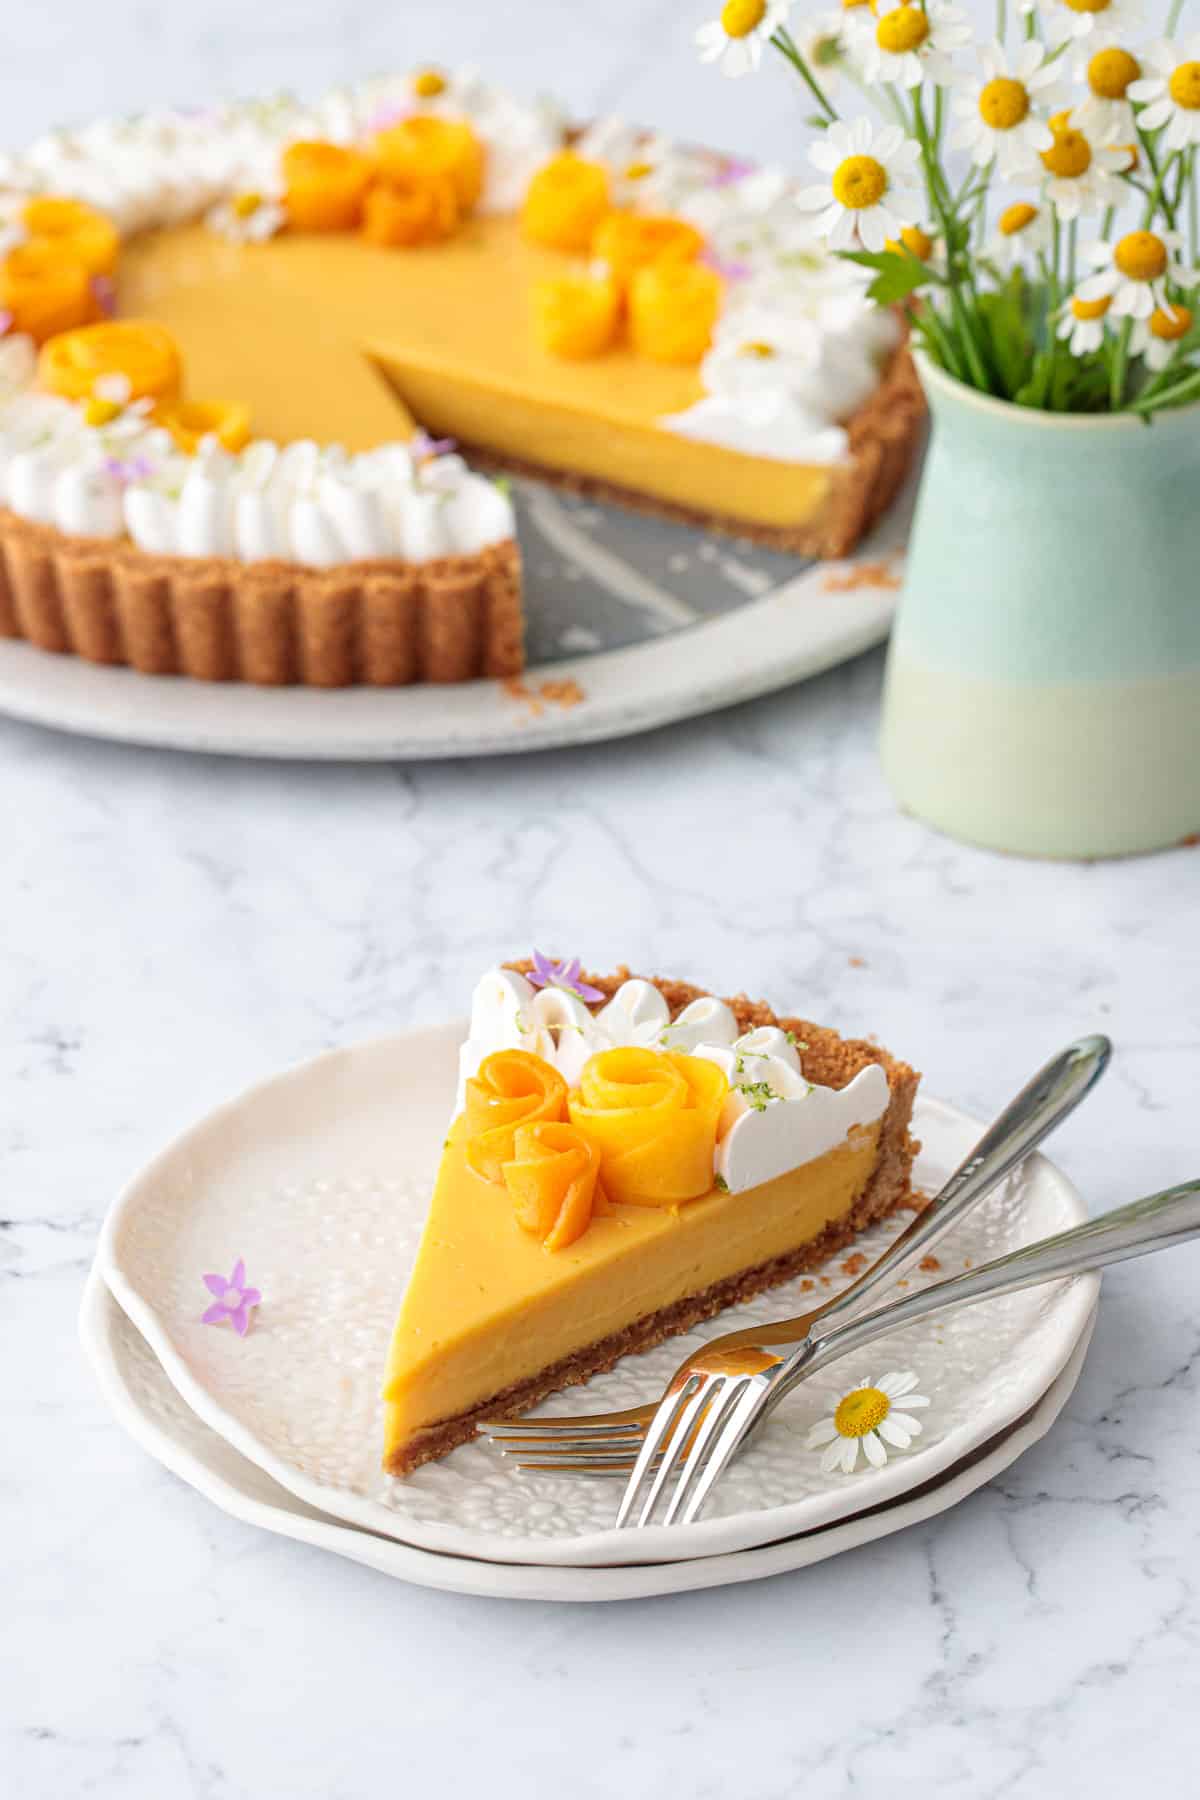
(262, 364)
(626, 1158)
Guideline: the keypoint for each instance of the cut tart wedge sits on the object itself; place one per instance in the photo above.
(627, 1158)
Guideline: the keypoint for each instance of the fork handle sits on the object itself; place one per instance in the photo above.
(1042, 1103)
(1155, 1222)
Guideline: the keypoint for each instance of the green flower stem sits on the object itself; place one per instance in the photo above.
(1173, 16)
(1183, 390)
(1193, 206)
(1106, 223)
(1001, 20)
(1157, 196)
(1072, 251)
(1031, 22)
(939, 198)
(1120, 362)
(928, 322)
(784, 42)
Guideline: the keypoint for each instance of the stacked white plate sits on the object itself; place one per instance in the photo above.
(319, 1180)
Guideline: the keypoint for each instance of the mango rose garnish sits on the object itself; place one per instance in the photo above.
(441, 149)
(627, 242)
(191, 421)
(405, 211)
(673, 306)
(512, 1088)
(324, 185)
(565, 202)
(45, 290)
(74, 229)
(552, 1178)
(145, 353)
(576, 316)
(652, 1115)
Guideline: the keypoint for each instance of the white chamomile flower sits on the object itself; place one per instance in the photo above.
(247, 218)
(1156, 339)
(1170, 94)
(111, 405)
(824, 42)
(863, 200)
(1084, 17)
(1134, 271)
(908, 43)
(998, 121)
(1105, 112)
(1081, 176)
(736, 38)
(1082, 323)
(1022, 236)
(867, 1417)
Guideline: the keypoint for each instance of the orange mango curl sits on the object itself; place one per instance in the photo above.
(405, 211)
(425, 146)
(565, 202)
(652, 1116)
(673, 307)
(191, 421)
(512, 1088)
(45, 290)
(552, 1178)
(576, 316)
(626, 242)
(75, 230)
(325, 185)
(145, 353)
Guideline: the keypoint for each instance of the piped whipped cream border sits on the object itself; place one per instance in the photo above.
(774, 1119)
(797, 349)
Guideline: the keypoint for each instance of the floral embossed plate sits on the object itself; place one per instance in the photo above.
(319, 1179)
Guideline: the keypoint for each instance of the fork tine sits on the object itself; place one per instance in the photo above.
(634, 1418)
(657, 1433)
(623, 1439)
(694, 1461)
(739, 1422)
(547, 1455)
(679, 1446)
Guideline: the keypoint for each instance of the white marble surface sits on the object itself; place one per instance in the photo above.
(174, 928)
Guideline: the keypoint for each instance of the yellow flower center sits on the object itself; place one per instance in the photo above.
(756, 347)
(1171, 322)
(1016, 217)
(1091, 309)
(100, 412)
(740, 17)
(1089, 6)
(1141, 256)
(1184, 86)
(1070, 155)
(914, 239)
(849, 5)
(1110, 73)
(244, 206)
(859, 181)
(1003, 103)
(637, 171)
(428, 84)
(860, 1412)
(904, 28)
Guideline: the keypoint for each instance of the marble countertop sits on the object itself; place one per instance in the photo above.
(175, 927)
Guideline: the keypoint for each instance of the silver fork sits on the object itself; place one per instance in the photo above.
(610, 1443)
(736, 1401)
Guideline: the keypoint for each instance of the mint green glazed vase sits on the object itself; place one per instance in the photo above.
(1043, 683)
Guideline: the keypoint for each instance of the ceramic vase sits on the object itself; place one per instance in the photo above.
(1043, 683)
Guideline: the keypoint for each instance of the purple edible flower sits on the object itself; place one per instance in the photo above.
(233, 1299)
(386, 117)
(728, 269)
(731, 169)
(104, 293)
(565, 975)
(137, 468)
(424, 447)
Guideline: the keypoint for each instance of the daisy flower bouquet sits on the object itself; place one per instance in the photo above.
(1030, 203)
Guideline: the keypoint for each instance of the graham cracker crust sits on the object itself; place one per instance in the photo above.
(383, 624)
(830, 1060)
(884, 436)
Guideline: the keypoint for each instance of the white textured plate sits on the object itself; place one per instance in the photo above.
(156, 1416)
(319, 1178)
(731, 624)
